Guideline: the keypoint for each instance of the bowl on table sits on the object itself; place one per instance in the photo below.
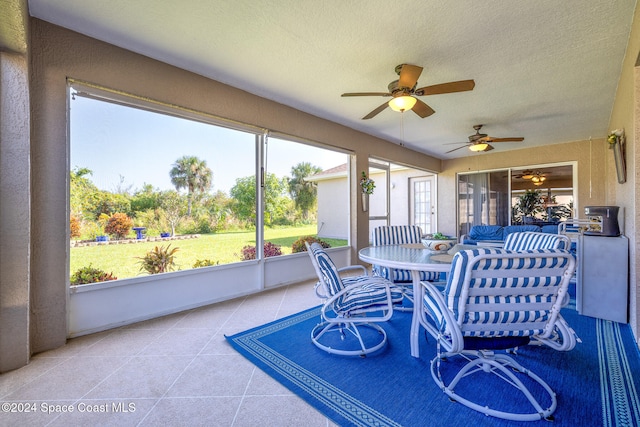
(439, 245)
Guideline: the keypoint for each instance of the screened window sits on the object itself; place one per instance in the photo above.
(153, 189)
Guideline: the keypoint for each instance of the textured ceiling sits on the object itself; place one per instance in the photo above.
(545, 70)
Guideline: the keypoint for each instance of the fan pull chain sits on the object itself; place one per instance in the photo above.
(590, 160)
(402, 128)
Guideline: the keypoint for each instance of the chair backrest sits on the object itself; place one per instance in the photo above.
(524, 241)
(325, 269)
(520, 228)
(396, 235)
(498, 293)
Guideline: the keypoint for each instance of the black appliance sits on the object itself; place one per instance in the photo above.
(605, 221)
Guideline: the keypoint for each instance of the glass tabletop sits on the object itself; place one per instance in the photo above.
(409, 257)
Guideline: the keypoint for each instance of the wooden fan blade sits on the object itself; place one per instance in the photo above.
(422, 109)
(459, 86)
(450, 151)
(366, 94)
(376, 111)
(489, 139)
(409, 75)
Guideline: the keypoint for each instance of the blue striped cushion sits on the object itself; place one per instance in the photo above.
(404, 276)
(328, 269)
(524, 241)
(479, 313)
(396, 235)
(369, 294)
(399, 235)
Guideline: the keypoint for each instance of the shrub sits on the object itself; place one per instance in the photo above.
(74, 227)
(118, 225)
(158, 260)
(90, 275)
(270, 249)
(298, 245)
(91, 230)
(204, 263)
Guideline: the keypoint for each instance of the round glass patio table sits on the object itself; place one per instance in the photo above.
(412, 257)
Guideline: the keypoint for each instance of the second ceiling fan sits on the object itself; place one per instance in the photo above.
(404, 92)
(481, 141)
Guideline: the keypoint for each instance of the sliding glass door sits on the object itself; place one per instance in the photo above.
(483, 199)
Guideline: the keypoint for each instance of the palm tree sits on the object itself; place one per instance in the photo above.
(193, 174)
(303, 192)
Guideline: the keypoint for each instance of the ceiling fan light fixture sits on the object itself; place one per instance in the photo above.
(402, 103)
(478, 147)
(527, 176)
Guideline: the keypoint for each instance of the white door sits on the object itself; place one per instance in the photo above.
(421, 203)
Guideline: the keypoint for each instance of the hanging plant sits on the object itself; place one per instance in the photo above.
(367, 184)
(613, 137)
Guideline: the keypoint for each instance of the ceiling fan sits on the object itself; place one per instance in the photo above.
(536, 177)
(404, 92)
(482, 142)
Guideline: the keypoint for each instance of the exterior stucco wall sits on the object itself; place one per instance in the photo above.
(333, 208)
(331, 214)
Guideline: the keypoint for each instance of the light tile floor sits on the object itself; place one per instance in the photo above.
(174, 370)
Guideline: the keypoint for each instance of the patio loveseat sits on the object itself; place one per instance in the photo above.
(496, 234)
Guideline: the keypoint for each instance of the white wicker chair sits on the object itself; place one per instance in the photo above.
(353, 305)
(496, 300)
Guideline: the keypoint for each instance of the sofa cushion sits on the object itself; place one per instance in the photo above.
(519, 228)
(550, 228)
(486, 232)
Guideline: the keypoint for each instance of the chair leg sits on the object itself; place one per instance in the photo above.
(346, 330)
(502, 366)
(407, 298)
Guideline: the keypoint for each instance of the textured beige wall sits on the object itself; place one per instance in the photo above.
(626, 115)
(14, 185)
(56, 54)
(14, 211)
(591, 166)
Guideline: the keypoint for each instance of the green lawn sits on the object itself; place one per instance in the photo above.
(220, 247)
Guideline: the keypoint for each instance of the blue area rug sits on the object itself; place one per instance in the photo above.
(595, 382)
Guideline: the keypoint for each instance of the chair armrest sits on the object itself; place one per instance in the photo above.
(363, 270)
(563, 337)
(443, 322)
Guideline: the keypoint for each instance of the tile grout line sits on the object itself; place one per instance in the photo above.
(186, 367)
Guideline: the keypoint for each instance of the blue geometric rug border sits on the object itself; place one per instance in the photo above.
(340, 407)
(613, 376)
(620, 403)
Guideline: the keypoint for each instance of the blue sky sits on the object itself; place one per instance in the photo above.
(141, 146)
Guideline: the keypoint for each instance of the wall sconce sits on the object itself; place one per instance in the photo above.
(617, 142)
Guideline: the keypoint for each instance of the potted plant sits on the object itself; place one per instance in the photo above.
(527, 206)
(367, 185)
